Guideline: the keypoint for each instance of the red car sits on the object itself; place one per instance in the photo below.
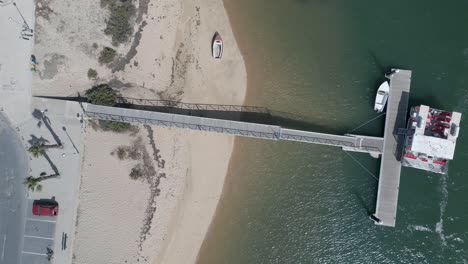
(44, 209)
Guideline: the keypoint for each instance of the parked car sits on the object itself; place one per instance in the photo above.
(42, 208)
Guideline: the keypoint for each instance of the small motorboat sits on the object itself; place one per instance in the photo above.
(217, 46)
(381, 97)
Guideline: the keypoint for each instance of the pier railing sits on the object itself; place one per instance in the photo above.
(190, 106)
(253, 130)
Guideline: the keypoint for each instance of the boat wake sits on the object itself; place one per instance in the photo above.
(443, 205)
(420, 228)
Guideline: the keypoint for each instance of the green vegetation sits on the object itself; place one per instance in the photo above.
(37, 150)
(121, 153)
(92, 74)
(101, 94)
(32, 184)
(119, 25)
(137, 172)
(116, 126)
(107, 55)
(40, 149)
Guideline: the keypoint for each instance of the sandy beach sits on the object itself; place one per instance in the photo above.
(163, 215)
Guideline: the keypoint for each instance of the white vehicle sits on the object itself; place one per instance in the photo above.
(381, 97)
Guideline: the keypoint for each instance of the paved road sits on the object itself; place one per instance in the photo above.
(13, 169)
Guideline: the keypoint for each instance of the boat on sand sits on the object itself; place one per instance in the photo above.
(217, 46)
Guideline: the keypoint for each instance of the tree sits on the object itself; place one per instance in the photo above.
(92, 74)
(107, 55)
(39, 149)
(101, 94)
(33, 184)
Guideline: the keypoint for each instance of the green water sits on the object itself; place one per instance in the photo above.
(317, 65)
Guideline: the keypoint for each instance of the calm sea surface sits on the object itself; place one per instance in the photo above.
(317, 64)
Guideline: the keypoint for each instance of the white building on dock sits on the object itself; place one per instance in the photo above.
(431, 138)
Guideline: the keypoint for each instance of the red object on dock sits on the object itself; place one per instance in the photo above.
(407, 155)
(440, 162)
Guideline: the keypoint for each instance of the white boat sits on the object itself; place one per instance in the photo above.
(217, 46)
(381, 97)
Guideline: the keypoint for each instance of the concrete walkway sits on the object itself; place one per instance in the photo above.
(59, 123)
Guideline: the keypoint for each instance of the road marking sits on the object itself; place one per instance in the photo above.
(4, 243)
(40, 220)
(48, 238)
(33, 253)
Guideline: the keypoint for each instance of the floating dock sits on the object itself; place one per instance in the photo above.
(390, 166)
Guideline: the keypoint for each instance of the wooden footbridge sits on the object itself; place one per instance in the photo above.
(389, 146)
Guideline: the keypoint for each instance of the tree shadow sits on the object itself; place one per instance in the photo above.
(43, 119)
(40, 140)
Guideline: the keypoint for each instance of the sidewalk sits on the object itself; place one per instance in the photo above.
(48, 120)
(15, 53)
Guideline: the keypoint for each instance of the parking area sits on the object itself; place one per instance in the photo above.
(39, 234)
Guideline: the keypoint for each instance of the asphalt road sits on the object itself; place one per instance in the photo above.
(13, 170)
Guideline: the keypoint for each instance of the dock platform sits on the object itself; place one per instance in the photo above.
(390, 166)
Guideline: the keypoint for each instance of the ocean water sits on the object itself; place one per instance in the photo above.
(317, 64)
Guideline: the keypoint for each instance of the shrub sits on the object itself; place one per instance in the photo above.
(115, 126)
(118, 25)
(101, 94)
(137, 172)
(107, 55)
(121, 153)
(92, 74)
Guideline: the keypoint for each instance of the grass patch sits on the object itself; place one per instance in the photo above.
(92, 74)
(107, 55)
(120, 23)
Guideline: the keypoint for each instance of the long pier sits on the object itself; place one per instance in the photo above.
(390, 165)
(372, 145)
(390, 146)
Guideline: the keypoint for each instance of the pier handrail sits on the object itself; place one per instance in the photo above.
(191, 106)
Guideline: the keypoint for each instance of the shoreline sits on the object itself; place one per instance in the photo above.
(199, 142)
(235, 153)
(168, 211)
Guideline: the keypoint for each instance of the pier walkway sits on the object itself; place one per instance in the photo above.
(372, 145)
(390, 166)
(390, 146)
